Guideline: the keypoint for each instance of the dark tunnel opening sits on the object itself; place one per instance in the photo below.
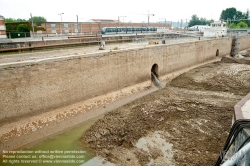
(217, 52)
(155, 76)
(154, 70)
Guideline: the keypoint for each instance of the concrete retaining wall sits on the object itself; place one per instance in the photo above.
(26, 88)
(244, 42)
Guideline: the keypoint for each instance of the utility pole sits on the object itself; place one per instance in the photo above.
(77, 25)
(185, 26)
(32, 25)
(61, 22)
(149, 16)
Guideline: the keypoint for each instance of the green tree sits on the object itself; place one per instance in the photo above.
(233, 14)
(38, 19)
(22, 28)
(247, 16)
(229, 14)
(242, 24)
(233, 25)
(239, 25)
(10, 20)
(196, 21)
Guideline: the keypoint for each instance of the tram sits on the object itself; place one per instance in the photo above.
(128, 30)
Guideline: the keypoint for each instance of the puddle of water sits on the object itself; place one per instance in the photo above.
(59, 144)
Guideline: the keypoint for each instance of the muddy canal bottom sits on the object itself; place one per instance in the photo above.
(185, 123)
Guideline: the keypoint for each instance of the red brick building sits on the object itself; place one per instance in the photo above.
(94, 26)
(81, 28)
(2, 28)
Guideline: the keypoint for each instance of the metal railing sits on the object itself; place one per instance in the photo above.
(238, 156)
(236, 150)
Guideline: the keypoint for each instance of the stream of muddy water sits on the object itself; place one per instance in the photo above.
(65, 148)
(62, 149)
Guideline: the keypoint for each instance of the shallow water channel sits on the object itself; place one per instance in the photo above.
(65, 146)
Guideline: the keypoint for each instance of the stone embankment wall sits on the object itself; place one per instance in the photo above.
(31, 87)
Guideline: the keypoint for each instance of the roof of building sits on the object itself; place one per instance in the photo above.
(103, 20)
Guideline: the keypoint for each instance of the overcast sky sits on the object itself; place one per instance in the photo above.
(134, 10)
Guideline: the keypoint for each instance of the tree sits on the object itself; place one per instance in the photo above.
(242, 25)
(229, 14)
(10, 20)
(196, 21)
(22, 28)
(247, 16)
(239, 25)
(38, 19)
(233, 14)
(233, 25)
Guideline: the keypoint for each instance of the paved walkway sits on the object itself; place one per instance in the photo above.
(38, 55)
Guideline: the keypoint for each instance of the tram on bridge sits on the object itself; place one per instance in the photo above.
(127, 30)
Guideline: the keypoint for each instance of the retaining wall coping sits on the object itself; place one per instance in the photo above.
(237, 108)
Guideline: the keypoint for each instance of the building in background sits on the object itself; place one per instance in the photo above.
(103, 21)
(2, 28)
(50, 29)
(217, 29)
(82, 28)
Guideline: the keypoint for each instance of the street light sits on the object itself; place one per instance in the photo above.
(77, 25)
(32, 25)
(119, 20)
(61, 22)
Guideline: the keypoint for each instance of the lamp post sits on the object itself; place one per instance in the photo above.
(32, 25)
(61, 22)
(77, 25)
(119, 20)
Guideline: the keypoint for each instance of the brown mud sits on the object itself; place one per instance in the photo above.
(193, 113)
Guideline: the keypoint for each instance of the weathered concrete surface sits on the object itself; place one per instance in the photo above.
(28, 88)
(244, 42)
